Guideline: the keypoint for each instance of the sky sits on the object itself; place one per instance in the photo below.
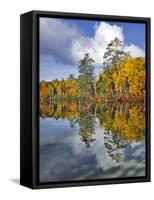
(63, 42)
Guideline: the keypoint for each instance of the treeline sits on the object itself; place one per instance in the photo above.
(123, 77)
(59, 89)
(130, 84)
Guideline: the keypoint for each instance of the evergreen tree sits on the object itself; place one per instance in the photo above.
(71, 77)
(114, 54)
(112, 58)
(86, 78)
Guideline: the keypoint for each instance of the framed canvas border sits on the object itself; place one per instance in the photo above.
(32, 174)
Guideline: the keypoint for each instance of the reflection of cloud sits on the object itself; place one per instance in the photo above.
(133, 163)
(59, 162)
(67, 44)
(68, 158)
(103, 160)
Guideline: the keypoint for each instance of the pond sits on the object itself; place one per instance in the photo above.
(89, 140)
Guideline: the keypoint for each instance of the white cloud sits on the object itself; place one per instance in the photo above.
(106, 32)
(56, 37)
(134, 50)
(67, 44)
(96, 46)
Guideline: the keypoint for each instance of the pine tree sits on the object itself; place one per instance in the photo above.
(112, 58)
(114, 54)
(86, 79)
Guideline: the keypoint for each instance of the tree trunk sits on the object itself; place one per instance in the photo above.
(95, 88)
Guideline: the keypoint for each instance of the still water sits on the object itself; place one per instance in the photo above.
(81, 141)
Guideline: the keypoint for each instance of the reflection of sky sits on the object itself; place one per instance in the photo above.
(63, 156)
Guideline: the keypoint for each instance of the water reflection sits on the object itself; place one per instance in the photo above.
(82, 140)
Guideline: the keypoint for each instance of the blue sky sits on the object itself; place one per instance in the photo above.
(63, 42)
(134, 32)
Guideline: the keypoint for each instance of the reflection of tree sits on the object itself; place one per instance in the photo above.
(114, 144)
(127, 121)
(123, 122)
(86, 123)
(73, 122)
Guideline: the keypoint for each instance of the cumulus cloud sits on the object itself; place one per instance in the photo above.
(96, 46)
(67, 44)
(56, 37)
(134, 50)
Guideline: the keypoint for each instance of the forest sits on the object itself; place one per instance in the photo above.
(122, 79)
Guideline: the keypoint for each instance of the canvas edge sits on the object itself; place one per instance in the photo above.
(35, 184)
(26, 24)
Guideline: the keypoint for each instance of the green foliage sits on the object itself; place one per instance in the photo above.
(86, 78)
(113, 54)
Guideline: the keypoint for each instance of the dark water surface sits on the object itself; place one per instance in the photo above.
(91, 141)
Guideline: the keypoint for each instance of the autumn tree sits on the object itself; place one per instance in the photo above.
(133, 70)
(43, 90)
